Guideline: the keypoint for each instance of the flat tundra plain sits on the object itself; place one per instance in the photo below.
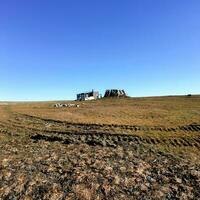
(114, 148)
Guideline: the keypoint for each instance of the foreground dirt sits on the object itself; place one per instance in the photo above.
(38, 163)
(51, 170)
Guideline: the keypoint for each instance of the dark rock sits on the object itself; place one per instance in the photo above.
(115, 93)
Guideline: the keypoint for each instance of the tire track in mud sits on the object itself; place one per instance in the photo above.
(95, 134)
(105, 139)
(89, 126)
(6, 130)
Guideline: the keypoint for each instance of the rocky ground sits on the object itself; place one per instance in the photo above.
(31, 169)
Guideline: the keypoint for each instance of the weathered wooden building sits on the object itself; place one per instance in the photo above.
(88, 96)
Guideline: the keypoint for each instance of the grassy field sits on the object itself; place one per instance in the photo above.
(156, 111)
(163, 112)
(105, 149)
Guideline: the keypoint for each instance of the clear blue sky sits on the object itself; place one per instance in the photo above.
(52, 49)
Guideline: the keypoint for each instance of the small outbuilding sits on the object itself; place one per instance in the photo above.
(93, 95)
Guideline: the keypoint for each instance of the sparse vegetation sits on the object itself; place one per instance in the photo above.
(132, 148)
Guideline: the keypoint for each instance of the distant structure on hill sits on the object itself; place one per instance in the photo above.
(93, 95)
(115, 93)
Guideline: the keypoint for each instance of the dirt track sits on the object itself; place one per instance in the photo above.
(100, 134)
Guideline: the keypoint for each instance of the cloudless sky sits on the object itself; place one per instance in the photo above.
(53, 49)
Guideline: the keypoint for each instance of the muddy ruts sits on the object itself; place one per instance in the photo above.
(113, 140)
(101, 138)
(96, 134)
(89, 138)
(92, 126)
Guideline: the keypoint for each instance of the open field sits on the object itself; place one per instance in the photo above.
(156, 111)
(132, 148)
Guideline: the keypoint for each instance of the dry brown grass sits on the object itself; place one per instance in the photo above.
(4, 112)
(83, 192)
(161, 111)
(152, 111)
(79, 168)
